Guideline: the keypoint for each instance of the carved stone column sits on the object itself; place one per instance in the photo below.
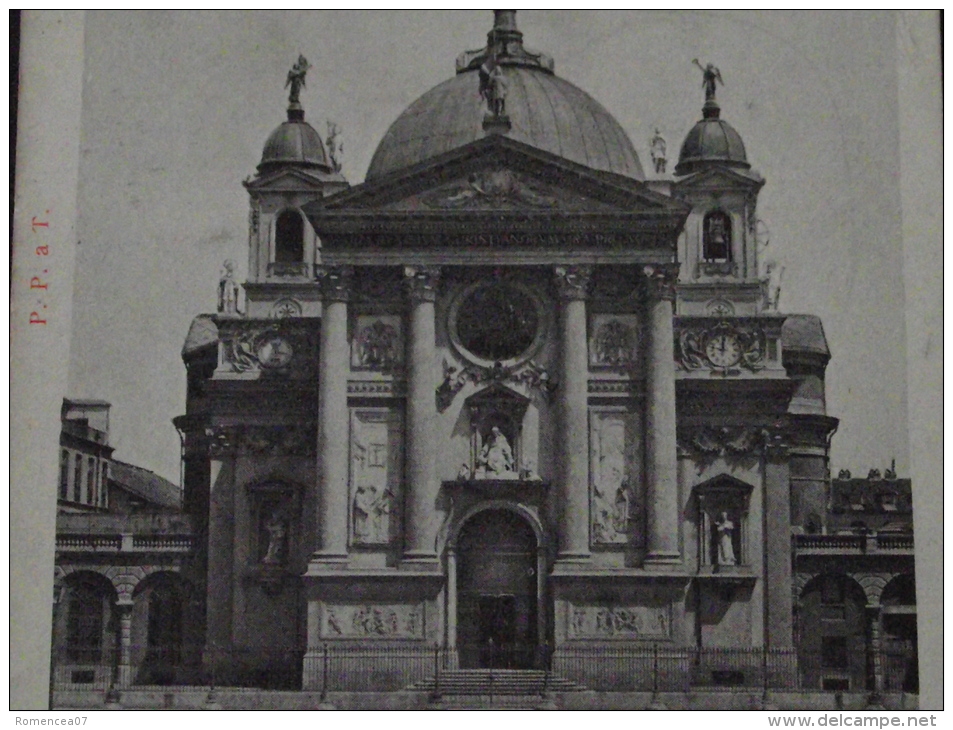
(124, 668)
(422, 520)
(333, 418)
(572, 283)
(660, 420)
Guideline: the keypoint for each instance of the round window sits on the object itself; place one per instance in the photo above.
(496, 322)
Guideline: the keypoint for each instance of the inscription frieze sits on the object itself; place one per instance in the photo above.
(619, 622)
(341, 621)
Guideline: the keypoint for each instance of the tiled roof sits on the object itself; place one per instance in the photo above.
(145, 484)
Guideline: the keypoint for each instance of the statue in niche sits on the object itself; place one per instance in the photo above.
(496, 458)
(726, 532)
(372, 514)
(277, 528)
(772, 292)
(228, 289)
(296, 78)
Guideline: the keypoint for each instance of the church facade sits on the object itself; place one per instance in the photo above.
(512, 396)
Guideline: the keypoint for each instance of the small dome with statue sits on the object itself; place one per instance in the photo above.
(712, 139)
(295, 142)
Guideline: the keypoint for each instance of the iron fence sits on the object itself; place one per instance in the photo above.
(353, 668)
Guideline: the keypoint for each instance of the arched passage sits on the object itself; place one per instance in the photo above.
(832, 647)
(497, 591)
(160, 650)
(899, 635)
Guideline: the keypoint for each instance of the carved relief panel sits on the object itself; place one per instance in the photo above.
(613, 341)
(377, 342)
(385, 621)
(375, 480)
(615, 473)
(619, 622)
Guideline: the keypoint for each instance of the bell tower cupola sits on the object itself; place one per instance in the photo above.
(297, 167)
(718, 247)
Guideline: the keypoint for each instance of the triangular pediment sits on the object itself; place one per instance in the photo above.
(500, 175)
(721, 177)
(293, 180)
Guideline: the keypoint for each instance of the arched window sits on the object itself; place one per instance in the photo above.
(289, 238)
(91, 481)
(78, 478)
(86, 623)
(716, 235)
(64, 474)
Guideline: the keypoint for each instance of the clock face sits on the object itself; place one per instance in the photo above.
(275, 352)
(723, 350)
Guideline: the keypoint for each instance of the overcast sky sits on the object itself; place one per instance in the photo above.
(177, 106)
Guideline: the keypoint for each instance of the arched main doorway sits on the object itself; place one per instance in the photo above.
(497, 591)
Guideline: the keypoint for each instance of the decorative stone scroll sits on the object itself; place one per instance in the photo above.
(530, 374)
(722, 440)
(614, 340)
(385, 621)
(375, 475)
(377, 343)
(613, 446)
(619, 622)
(724, 346)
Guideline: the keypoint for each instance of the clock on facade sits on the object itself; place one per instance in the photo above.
(274, 352)
(723, 349)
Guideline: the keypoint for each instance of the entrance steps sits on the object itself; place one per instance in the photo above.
(495, 688)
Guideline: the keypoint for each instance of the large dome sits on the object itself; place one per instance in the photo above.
(544, 111)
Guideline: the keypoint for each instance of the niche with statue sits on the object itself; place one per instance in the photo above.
(723, 524)
(497, 449)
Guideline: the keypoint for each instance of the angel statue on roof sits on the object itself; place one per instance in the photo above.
(296, 78)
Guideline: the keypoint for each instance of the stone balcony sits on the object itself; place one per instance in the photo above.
(112, 533)
(873, 543)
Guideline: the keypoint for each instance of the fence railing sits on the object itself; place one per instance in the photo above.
(340, 668)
